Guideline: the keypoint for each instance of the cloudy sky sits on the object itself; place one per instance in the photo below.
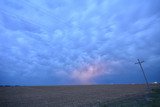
(57, 42)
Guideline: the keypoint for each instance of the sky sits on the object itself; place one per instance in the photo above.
(75, 42)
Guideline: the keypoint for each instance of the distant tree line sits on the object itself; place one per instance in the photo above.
(9, 85)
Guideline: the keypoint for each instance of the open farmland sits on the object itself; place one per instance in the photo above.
(67, 96)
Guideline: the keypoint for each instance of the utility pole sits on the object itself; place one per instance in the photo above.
(140, 64)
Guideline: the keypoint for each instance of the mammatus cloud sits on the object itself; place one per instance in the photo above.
(88, 72)
(93, 41)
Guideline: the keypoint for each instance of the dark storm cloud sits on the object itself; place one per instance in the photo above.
(88, 42)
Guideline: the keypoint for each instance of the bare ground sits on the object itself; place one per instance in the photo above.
(67, 96)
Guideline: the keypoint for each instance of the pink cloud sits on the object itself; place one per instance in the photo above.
(87, 73)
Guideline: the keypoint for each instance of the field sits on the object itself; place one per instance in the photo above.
(69, 96)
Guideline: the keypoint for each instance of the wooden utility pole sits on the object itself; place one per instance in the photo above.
(140, 64)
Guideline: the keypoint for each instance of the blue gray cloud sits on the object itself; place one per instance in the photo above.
(45, 42)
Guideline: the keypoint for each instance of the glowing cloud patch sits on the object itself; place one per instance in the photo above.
(87, 73)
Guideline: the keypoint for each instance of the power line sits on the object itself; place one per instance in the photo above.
(49, 13)
(23, 19)
(46, 12)
(42, 10)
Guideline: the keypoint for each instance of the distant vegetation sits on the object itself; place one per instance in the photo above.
(9, 85)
